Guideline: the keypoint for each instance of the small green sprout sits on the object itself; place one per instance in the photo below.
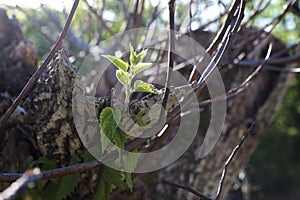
(126, 72)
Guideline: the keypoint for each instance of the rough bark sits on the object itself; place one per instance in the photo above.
(17, 63)
(48, 128)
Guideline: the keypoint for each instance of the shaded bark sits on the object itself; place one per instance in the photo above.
(18, 60)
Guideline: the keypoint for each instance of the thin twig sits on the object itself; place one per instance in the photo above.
(55, 173)
(40, 70)
(230, 158)
(234, 22)
(103, 23)
(170, 53)
(28, 177)
(99, 18)
(224, 28)
(275, 68)
(257, 11)
(189, 189)
(237, 90)
(285, 50)
(277, 19)
(230, 27)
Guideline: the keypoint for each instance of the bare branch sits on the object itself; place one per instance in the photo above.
(27, 178)
(189, 189)
(170, 53)
(233, 24)
(230, 158)
(230, 27)
(257, 11)
(103, 23)
(277, 19)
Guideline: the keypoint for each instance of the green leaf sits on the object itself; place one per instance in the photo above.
(129, 181)
(130, 161)
(105, 141)
(141, 67)
(140, 56)
(51, 188)
(123, 77)
(104, 190)
(122, 65)
(113, 176)
(140, 121)
(108, 126)
(141, 86)
(107, 122)
(67, 185)
(119, 137)
(132, 55)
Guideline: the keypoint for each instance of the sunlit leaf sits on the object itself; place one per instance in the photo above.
(140, 56)
(123, 77)
(122, 65)
(141, 67)
(132, 55)
(141, 86)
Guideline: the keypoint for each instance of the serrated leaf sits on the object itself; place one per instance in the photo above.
(67, 185)
(141, 86)
(123, 77)
(119, 138)
(108, 126)
(117, 115)
(113, 176)
(103, 191)
(141, 67)
(105, 141)
(130, 161)
(119, 63)
(129, 180)
(107, 122)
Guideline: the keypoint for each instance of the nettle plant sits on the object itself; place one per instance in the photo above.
(110, 118)
(126, 72)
